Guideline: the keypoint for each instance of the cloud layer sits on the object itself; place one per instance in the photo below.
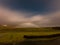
(20, 19)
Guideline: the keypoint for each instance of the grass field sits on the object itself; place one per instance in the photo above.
(16, 35)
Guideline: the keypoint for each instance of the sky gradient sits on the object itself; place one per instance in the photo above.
(30, 13)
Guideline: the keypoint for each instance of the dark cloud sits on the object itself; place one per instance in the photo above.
(28, 5)
(20, 18)
(53, 5)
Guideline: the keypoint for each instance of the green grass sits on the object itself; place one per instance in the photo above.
(16, 35)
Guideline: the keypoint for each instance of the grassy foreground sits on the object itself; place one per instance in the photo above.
(16, 35)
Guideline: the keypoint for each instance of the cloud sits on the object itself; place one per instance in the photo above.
(53, 5)
(11, 16)
(52, 19)
(27, 25)
(20, 19)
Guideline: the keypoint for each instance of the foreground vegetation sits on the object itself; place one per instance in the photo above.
(13, 35)
(17, 37)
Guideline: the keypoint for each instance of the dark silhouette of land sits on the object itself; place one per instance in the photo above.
(45, 36)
